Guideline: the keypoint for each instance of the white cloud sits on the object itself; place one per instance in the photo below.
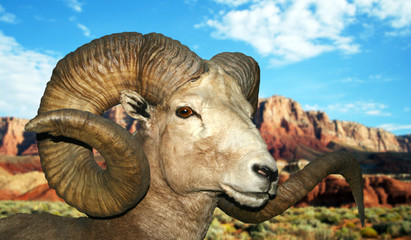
(86, 31)
(75, 5)
(397, 13)
(23, 77)
(7, 17)
(232, 2)
(378, 112)
(314, 107)
(361, 107)
(352, 80)
(289, 31)
(394, 127)
(377, 76)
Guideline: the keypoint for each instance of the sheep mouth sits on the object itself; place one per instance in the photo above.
(249, 199)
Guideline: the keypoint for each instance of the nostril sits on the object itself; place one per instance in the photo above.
(266, 172)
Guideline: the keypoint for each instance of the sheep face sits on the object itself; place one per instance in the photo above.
(207, 141)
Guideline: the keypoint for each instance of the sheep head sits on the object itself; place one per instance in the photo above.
(205, 139)
(196, 114)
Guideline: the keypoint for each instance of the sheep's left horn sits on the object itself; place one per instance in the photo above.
(91, 79)
(244, 70)
(299, 184)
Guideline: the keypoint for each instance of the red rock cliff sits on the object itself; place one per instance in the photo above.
(292, 133)
(13, 139)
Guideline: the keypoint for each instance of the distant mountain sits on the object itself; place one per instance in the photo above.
(285, 125)
(293, 134)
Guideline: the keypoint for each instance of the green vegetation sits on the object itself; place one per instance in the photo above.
(8, 208)
(306, 223)
(318, 223)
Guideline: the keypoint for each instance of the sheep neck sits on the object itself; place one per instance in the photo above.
(163, 213)
(166, 215)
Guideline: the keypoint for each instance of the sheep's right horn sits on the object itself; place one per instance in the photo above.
(90, 80)
(299, 184)
(127, 177)
(244, 70)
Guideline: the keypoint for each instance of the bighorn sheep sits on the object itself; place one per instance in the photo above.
(197, 148)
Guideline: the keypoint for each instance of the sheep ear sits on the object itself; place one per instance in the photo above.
(135, 105)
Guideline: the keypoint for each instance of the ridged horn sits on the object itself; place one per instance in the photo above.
(299, 184)
(245, 70)
(90, 80)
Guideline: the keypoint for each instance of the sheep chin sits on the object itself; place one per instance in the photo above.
(248, 199)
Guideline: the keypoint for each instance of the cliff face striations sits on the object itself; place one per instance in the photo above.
(292, 133)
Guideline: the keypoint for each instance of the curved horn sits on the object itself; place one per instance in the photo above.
(91, 79)
(127, 175)
(245, 70)
(299, 184)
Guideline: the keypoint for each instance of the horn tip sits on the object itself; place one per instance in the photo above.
(31, 126)
(361, 213)
(39, 124)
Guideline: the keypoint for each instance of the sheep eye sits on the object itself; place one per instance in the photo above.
(184, 112)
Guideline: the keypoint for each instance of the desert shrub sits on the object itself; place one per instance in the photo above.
(215, 231)
(309, 212)
(347, 234)
(322, 233)
(261, 231)
(400, 229)
(381, 227)
(394, 222)
(262, 236)
(350, 225)
(280, 230)
(390, 217)
(301, 231)
(298, 221)
(406, 228)
(394, 230)
(350, 214)
(262, 227)
(368, 232)
(228, 228)
(309, 228)
(329, 216)
(372, 215)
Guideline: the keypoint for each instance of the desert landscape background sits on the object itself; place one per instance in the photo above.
(294, 137)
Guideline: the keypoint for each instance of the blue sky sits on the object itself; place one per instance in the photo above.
(349, 58)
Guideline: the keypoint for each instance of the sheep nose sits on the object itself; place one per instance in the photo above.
(265, 172)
